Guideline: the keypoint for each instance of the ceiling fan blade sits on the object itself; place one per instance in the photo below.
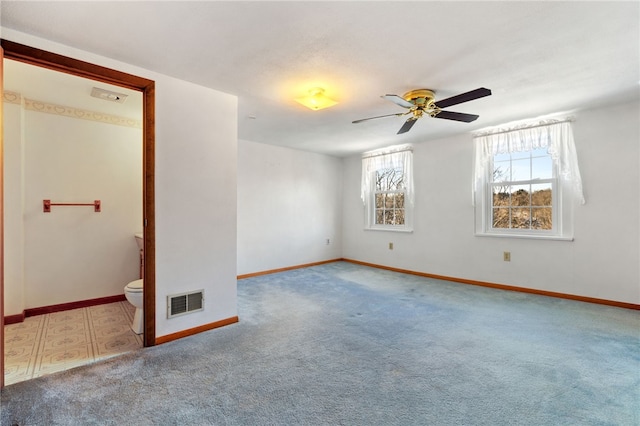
(463, 97)
(407, 125)
(457, 116)
(380, 116)
(398, 101)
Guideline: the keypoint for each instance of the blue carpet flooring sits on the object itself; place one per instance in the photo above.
(344, 344)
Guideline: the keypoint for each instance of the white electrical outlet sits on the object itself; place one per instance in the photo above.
(328, 241)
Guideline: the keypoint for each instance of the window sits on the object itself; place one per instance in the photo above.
(522, 187)
(389, 197)
(387, 189)
(525, 181)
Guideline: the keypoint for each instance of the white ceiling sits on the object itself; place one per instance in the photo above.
(538, 58)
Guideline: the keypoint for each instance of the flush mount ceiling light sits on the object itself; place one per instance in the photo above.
(316, 99)
(108, 95)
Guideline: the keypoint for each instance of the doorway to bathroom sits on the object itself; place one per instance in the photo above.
(110, 79)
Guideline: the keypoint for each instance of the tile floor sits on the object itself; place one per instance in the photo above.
(49, 343)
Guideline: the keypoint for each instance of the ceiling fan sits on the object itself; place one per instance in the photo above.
(422, 101)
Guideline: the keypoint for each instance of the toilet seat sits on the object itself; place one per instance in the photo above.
(135, 286)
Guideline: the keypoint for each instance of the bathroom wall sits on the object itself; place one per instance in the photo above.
(195, 189)
(289, 204)
(601, 262)
(72, 253)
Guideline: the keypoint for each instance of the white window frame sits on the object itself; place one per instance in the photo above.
(400, 158)
(554, 135)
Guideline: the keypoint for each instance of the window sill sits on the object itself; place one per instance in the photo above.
(405, 230)
(525, 236)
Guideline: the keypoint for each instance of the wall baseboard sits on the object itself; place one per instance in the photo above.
(32, 312)
(288, 268)
(191, 331)
(617, 304)
(14, 319)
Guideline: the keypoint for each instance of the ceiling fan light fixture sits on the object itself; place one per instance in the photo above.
(316, 99)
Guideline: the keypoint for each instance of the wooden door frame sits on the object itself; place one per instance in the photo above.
(53, 61)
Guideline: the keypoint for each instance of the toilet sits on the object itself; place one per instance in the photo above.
(133, 293)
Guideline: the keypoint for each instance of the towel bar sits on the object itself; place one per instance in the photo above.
(46, 205)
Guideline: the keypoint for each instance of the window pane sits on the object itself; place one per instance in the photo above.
(521, 169)
(501, 195)
(400, 217)
(379, 200)
(400, 201)
(501, 171)
(379, 217)
(542, 167)
(397, 181)
(378, 182)
(542, 218)
(388, 201)
(388, 217)
(502, 157)
(541, 194)
(520, 218)
(500, 218)
(389, 179)
(520, 195)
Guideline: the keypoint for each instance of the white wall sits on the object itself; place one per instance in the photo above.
(602, 261)
(74, 253)
(289, 204)
(196, 207)
(195, 189)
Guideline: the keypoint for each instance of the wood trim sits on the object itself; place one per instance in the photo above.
(617, 304)
(149, 214)
(14, 319)
(32, 312)
(53, 61)
(288, 268)
(1, 222)
(195, 330)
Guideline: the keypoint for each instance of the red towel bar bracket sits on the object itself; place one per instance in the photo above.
(46, 205)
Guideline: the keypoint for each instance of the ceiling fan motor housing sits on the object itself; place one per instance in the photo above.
(420, 96)
(423, 99)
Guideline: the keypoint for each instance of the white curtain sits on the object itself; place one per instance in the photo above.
(394, 157)
(555, 136)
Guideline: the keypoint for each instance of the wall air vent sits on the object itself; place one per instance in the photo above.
(108, 95)
(185, 303)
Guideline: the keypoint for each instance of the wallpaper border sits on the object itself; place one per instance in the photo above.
(66, 111)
